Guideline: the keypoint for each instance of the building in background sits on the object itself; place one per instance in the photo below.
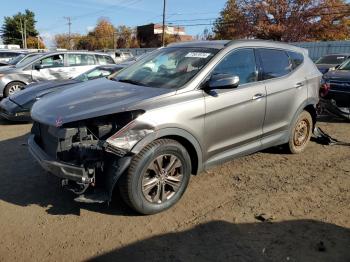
(151, 35)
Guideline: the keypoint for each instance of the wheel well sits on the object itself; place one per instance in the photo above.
(311, 109)
(190, 149)
(13, 82)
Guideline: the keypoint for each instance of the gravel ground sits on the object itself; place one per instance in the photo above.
(305, 198)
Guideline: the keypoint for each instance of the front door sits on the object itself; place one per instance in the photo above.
(234, 117)
(52, 68)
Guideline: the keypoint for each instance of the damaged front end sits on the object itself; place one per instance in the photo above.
(89, 155)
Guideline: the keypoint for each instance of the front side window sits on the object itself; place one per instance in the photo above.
(80, 59)
(275, 63)
(53, 61)
(239, 63)
(167, 67)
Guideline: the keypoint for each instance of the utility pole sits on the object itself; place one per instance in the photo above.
(114, 40)
(20, 20)
(163, 31)
(38, 41)
(69, 19)
(25, 34)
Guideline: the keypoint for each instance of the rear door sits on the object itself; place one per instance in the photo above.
(234, 117)
(286, 90)
(79, 63)
(52, 68)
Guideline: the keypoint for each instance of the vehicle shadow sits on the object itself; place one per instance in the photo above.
(24, 182)
(299, 240)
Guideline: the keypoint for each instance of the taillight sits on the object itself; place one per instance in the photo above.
(325, 86)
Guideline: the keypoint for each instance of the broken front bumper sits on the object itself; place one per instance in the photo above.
(60, 169)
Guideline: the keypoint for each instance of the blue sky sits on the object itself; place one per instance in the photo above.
(85, 13)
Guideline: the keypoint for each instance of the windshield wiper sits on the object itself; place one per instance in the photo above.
(129, 81)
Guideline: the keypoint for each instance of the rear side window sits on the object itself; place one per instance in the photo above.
(239, 63)
(296, 58)
(275, 63)
(81, 59)
(104, 60)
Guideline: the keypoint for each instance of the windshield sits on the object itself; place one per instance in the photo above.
(15, 60)
(95, 73)
(26, 61)
(331, 59)
(345, 65)
(167, 68)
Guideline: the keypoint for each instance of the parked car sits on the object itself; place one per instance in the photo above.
(327, 62)
(49, 66)
(182, 109)
(7, 55)
(17, 107)
(20, 59)
(335, 91)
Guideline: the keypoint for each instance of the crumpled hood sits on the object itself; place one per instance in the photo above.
(341, 75)
(32, 91)
(91, 99)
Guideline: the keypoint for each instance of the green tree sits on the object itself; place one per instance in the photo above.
(11, 29)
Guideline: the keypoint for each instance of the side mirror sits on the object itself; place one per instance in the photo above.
(221, 81)
(38, 66)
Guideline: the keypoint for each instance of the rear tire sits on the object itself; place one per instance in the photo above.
(157, 177)
(13, 88)
(300, 133)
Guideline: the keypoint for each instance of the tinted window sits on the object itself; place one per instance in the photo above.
(296, 58)
(275, 63)
(81, 59)
(239, 63)
(53, 61)
(104, 60)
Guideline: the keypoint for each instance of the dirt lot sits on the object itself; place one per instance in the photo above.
(307, 195)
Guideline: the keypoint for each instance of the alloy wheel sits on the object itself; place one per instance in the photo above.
(162, 178)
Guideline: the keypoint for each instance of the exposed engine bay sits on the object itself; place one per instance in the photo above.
(98, 148)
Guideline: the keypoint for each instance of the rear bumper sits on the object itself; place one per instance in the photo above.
(57, 168)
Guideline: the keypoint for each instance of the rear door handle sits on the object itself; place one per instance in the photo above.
(258, 96)
(298, 85)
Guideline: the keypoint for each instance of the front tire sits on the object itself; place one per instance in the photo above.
(157, 177)
(300, 133)
(13, 88)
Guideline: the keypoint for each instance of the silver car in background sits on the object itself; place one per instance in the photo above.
(49, 66)
(177, 111)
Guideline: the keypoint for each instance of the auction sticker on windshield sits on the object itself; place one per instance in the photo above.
(198, 55)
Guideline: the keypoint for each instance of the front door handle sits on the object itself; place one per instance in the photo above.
(298, 85)
(258, 96)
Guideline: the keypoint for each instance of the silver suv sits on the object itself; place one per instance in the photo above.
(48, 66)
(179, 110)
